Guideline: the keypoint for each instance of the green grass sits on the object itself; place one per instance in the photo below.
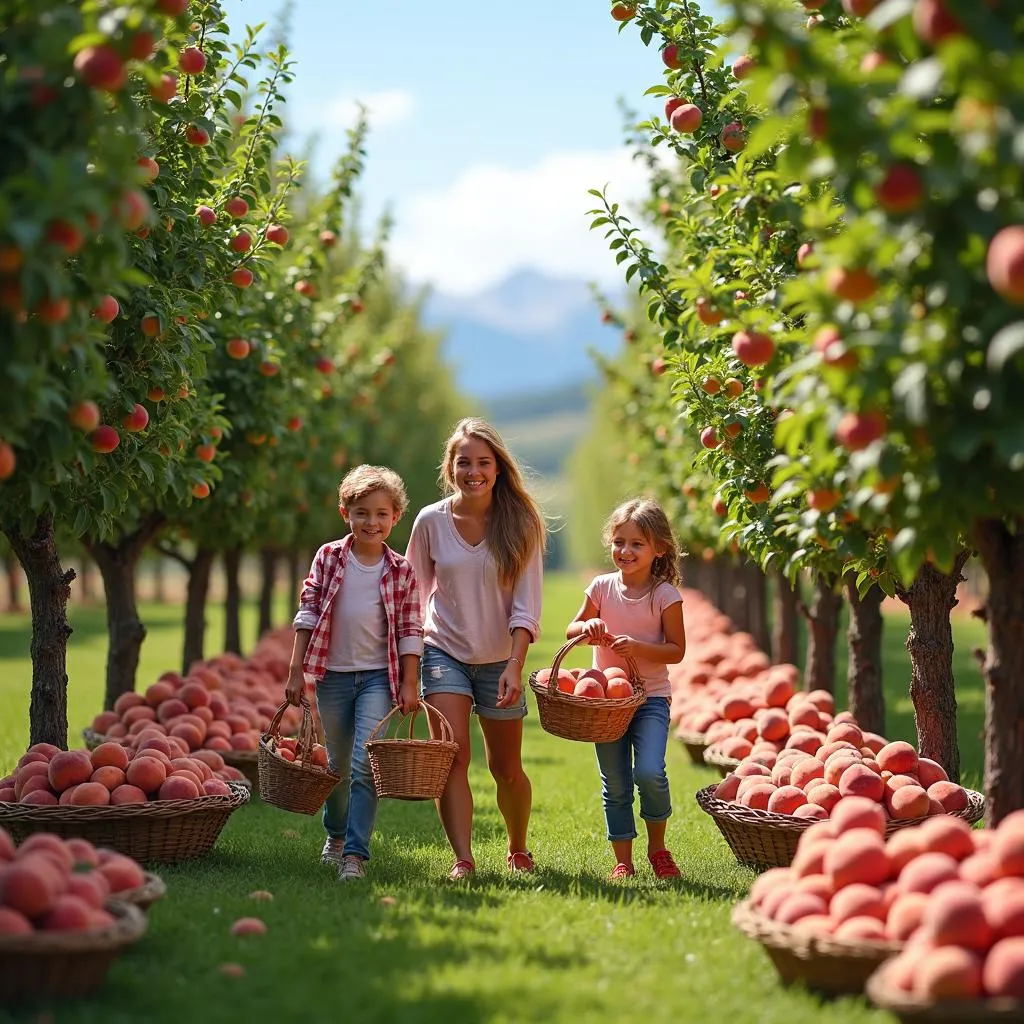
(563, 945)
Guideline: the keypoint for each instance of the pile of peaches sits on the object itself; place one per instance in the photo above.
(287, 748)
(53, 884)
(157, 768)
(952, 897)
(611, 683)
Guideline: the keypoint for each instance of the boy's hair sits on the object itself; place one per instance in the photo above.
(650, 519)
(515, 527)
(359, 482)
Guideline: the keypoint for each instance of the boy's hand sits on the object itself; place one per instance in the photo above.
(295, 685)
(596, 632)
(408, 695)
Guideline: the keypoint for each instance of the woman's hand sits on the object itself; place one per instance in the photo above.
(409, 695)
(596, 632)
(510, 685)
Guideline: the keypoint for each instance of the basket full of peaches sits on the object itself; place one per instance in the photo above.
(591, 705)
(293, 772)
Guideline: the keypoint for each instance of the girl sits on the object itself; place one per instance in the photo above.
(637, 611)
(477, 555)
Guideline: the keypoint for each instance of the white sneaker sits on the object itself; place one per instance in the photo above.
(351, 867)
(332, 851)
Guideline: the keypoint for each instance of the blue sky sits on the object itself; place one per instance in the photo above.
(489, 121)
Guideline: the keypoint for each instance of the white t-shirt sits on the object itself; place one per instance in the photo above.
(638, 617)
(359, 626)
(468, 614)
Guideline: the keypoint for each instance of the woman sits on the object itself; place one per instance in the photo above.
(477, 555)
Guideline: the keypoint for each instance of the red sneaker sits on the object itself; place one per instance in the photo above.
(621, 871)
(521, 860)
(663, 864)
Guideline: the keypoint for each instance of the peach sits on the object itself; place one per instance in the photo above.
(82, 851)
(1004, 908)
(955, 916)
(126, 701)
(7, 795)
(806, 770)
(41, 798)
(798, 905)
(148, 773)
(757, 796)
(820, 885)
(14, 923)
(859, 780)
(1003, 973)
(777, 692)
(845, 732)
(927, 872)
(773, 724)
(836, 765)
(193, 777)
(179, 787)
(979, 869)
(109, 755)
(103, 721)
(69, 913)
(816, 924)
(122, 873)
(68, 768)
(786, 799)
(929, 772)
(765, 883)
(244, 741)
(898, 757)
(617, 689)
(844, 717)
(91, 887)
(752, 768)
(139, 713)
(217, 744)
(205, 713)
(198, 767)
(171, 708)
(128, 795)
(746, 729)
(856, 929)
(822, 700)
(948, 835)
(824, 795)
(894, 782)
(857, 900)
(856, 856)
(826, 750)
(159, 692)
(952, 797)
(248, 926)
(810, 810)
(215, 787)
(949, 972)
(90, 794)
(905, 915)
(873, 742)
(782, 773)
(802, 713)
(901, 970)
(726, 789)
(30, 885)
(108, 776)
(857, 812)
(223, 730)
(156, 742)
(903, 846)
(733, 708)
(117, 731)
(907, 802)
(775, 898)
(805, 741)
(31, 783)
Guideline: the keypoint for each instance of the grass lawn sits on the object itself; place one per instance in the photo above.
(562, 945)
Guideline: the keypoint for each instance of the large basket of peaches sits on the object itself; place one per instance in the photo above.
(590, 705)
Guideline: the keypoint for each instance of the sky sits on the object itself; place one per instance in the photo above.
(489, 121)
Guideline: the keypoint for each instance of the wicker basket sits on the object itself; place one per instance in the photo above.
(408, 768)
(292, 786)
(589, 719)
(161, 830)
(762, 839)
(725, 765)
(909, 1010)
(823, 964)
(65, 965)
(695, 745)
(144, 896)
(93, 739)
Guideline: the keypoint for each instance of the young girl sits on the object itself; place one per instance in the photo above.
(477, 555)
(637, 611)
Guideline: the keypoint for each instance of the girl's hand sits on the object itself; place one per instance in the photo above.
(596, 632)
(625, 645)
(510, 685)
(409, 695)
(294, 687)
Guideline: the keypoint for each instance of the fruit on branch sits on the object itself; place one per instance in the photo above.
(196, 136)
(278, 234)
(106, 309)
(166, 89)
(236, 207)
(1004, 264)
(101, 67)
(733, 137)
(933, 23)
(742, 66)
(901, 190)
(192, 60)
(752, 348)
(709, 438)
(137, 419)
(856, 430)
(686, 118)
(328, 239)
(854, 285)
(84, 416)
(241, 242)
(206, 215)
(8, 461)
(241, 277)
(237, 348)
(104, 439)
(708, 313)
(670, 57)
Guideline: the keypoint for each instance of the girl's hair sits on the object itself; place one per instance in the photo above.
(652, 522)
(515, 528)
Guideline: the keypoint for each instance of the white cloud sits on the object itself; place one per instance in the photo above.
(384, 108)
(494, 220)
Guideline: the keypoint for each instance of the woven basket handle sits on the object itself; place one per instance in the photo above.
(634, 673)
(304, 746)
(381, 728)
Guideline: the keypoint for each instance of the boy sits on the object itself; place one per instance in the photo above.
(359, 634)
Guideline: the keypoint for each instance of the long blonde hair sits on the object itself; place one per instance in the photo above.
(650, 519)
(515, 527)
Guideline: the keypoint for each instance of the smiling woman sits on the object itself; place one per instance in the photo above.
(477, 557)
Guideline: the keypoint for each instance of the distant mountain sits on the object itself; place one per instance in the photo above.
(529, 333)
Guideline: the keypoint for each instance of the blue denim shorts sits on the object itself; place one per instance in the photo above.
(441, 673)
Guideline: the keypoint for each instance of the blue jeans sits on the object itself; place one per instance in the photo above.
(637, 758)
(351, 705)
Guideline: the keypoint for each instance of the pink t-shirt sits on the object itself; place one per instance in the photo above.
(638, 617)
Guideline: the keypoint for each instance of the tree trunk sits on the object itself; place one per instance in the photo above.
(930, 599)
(757, 604)
(49, 588)
(118, 564)
(1002, 555)
(159, 579)
(823, 622)
(86, 579)
(294, 574)
(785, 621)
(12, 570)
(268, 579)
(864, 664)
(233, 601)
(195, 606)
(736, 606)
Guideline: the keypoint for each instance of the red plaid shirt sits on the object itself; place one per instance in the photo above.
(399, 594)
